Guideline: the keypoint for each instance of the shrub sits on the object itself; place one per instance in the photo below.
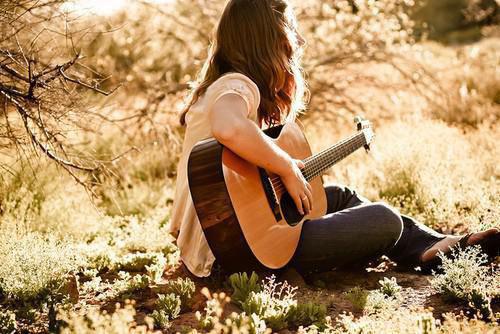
(377, 302)
(236, 323)
(7, 322)
(387, 297)
(358, 297)
(168, 307)
(453, 324)
(137, 261)
(126, 284)
(183, 288)
(137, 234)
(466, 278)
(401, 321)
(415, 175)
(122, 287)
(272, 304)
(156, 269)
(33, 266)
(95, 321)
(243, 285)
(100, 258)
(389, 287)
(305, 314)
(213, 310)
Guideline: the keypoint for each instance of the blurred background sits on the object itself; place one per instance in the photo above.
(89, 135)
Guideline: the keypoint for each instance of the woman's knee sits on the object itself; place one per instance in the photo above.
(389, 220)
(340, 197)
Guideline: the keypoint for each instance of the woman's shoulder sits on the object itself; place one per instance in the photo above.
(238, 83)
(235, 77)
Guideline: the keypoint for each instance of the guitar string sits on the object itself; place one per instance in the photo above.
(322, 160)
(325, 152)
(339, 153)
(320, 166)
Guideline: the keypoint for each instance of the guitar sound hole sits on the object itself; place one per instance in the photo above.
(289, 210)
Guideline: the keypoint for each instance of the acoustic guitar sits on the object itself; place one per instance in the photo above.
(246, 214)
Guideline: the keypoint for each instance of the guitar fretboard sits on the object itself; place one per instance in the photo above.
(319, 163)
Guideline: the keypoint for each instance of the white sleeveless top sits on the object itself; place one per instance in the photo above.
(194, 249)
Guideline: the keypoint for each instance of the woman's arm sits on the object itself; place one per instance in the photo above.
(232, 128)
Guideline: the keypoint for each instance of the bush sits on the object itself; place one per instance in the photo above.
(33, 266)
(122, 287)
(305, 314)
(387, 297)
(377, 302)
(402, 321)
(390, 287)
(242, 286)
(273, 302)
(358, 297)
(127, 284)
(95, 321)
(168, 307)
(213, 323)
(466, 278)
(414, 175)
(183, 288)
(157, 268)
(7, 322)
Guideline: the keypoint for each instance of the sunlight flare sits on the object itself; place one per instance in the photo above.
(104, 8)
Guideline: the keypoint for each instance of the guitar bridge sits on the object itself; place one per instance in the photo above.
(272, 199)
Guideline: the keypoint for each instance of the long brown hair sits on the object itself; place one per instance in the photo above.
(258, 38)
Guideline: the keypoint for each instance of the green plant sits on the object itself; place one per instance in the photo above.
(377, 302)
(400, 321)
(157, 267)
(33, 266)
(213, 310)
(305, 314)
(370, 302)
(465, 277)
(389, 287)
(128, 284)
(358, 297)
(243, 285)
(136, 261)
(273, 303)
(8, 322)
(168, 307)
(182, 287)
(122, 287)
(213, 323)
(96, 321)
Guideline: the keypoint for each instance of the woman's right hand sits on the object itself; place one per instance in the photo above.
(299, 189)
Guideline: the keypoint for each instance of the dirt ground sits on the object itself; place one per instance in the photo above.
(329, 289)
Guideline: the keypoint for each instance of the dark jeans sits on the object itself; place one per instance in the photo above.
(355, 230)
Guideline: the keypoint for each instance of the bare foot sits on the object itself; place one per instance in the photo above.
(448, 242)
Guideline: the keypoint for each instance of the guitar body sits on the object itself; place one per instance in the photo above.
(243, 212)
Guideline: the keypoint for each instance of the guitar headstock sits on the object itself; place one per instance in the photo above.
(365, 127)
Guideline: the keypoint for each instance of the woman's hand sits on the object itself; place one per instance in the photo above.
(299, 189)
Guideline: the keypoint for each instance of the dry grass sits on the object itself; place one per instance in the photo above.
(437, 161)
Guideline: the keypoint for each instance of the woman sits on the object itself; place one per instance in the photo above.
(252, 79)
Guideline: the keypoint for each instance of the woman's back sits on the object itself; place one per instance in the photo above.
(194, 248)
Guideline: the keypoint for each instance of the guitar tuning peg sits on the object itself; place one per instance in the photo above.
(358, 119)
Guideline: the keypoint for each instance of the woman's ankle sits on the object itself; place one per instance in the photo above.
(451, 240)
(442, 245)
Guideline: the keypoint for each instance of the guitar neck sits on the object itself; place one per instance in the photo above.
(317, 164)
